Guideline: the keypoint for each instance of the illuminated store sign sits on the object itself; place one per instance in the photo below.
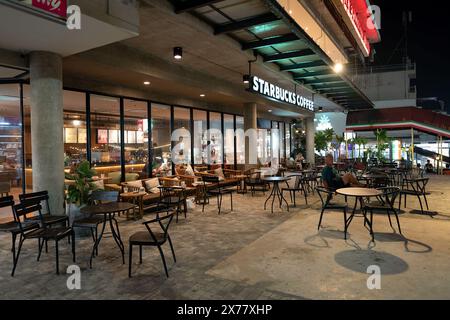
(274, 92)
(360, 30)
(53, 7)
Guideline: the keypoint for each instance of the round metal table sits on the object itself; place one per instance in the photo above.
(359, 194)
(276, 192)
(108, 210)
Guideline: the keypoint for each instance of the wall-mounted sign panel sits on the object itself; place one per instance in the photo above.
(56, 8)
(273, 92)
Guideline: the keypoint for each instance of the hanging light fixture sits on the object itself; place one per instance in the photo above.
(246, 77)
(177, 53)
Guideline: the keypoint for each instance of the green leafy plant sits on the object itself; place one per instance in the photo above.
(383, 142)
(78, 192)
(322, 139)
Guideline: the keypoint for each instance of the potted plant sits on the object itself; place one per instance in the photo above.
(79, 190)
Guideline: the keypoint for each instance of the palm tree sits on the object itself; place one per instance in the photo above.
(382, 142)
(339, 141)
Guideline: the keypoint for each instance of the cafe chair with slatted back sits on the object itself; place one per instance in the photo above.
(93, 221)
(13, 226)
(156, 235)
(172, 197)
(43, 233)
(326, 195)
(385, 203)
(40, 198)
(414, 187)
(217, 190)
(299, 186)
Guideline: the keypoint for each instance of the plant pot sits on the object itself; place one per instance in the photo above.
(73, 212)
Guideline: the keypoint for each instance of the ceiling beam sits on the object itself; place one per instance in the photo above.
(303, 65)
(245, 23)
(312, 74)
(191, 5)
(326, 86)
(324, 80)
(289, 37)
(289, 55)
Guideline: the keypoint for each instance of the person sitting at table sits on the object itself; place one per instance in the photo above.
(332, 180)
(429, 167)
(299, 161)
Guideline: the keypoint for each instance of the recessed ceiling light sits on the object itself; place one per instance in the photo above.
(147, 83)
(338, 67)
(76, 123)
(269, 110)
(202, 95)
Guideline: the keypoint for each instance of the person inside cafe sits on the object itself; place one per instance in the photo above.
(429, 167)
(299, 161)
(332, 180)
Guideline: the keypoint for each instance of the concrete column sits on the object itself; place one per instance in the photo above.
(250, 122)
(310, 145)
(47, 125)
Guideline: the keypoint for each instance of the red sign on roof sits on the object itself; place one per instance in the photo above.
(56, 7)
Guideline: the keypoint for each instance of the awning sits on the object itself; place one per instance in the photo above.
(266, 28)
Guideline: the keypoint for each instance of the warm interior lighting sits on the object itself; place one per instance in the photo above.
(269, 110)
(178, 53)
(338, 67)
(147, 83)
(246, 78)
(76, 123)
(202, 95)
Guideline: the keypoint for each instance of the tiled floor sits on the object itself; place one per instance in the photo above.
(253, 254)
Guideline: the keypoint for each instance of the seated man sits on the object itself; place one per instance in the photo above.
(332, 180)
(429, 167)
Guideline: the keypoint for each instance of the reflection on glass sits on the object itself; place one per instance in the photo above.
(282, 149)
(181, 135)
(214, 150)
(136, 139)
(10, 140)
(75, 135)
(240, 140)
(105, 118)
(160, 126)
(288, 139)
(228, 128)
(200, 139)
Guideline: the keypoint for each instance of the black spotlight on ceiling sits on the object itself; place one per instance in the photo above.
(320, 109)
(177, 53)
(246, 77)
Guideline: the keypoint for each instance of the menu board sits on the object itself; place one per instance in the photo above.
(71, 135)
(102, 136)
(114, 136)
(131, 136)
(82, 135)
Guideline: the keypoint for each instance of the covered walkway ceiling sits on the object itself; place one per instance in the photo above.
(266, 28)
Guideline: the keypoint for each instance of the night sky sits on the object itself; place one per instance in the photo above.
(428, 43)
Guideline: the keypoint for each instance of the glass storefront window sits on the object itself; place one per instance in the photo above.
(105, 136)
(228, 128)
(288, 139)
(136, 138)
(161, 144)
(182, 129)
(75, 133)
(240, 140)
(10, 141)
(200, 139)
(215, 152)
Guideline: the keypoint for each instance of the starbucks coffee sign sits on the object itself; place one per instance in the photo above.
(260, 86)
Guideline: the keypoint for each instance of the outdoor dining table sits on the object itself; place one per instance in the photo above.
(276, 192)
(359, 194)
(108, 210)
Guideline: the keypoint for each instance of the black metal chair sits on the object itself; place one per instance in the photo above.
(311, 180)
(299, 186)
(49, 218)
(172, 197)
(152, 238)
(414, 187)
(43, 233)
(385, 203)
(326, 196)
(13, 226)
(93, 221)
(216, 190)
(255, 182)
